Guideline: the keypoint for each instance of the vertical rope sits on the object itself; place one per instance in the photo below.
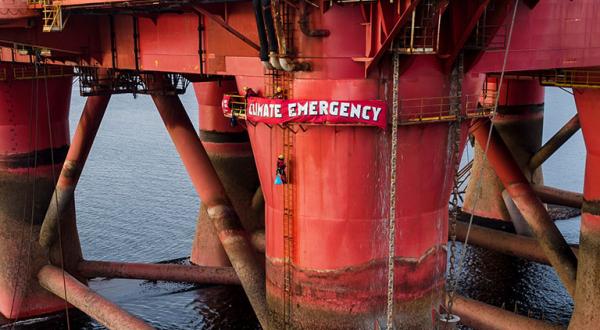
(54, 180)
(392, 214)
(479, 187)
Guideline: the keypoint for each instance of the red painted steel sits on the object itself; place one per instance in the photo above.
(503, 242)
(478, 315)
(230, 153)
(64, 192)
(533, 211)
(587, 294)
(209, 187)
(519, 121)
(551, 35)
(15, 10)
(341, 184)
(554, 34)
(158, 272)
(105, 312)
(26, 159)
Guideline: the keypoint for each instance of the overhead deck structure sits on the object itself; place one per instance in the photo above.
(356, 235)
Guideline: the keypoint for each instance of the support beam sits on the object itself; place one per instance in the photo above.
(235, 240)
(557, 196)
(217, 19)
(551, 240)
(503, 242)
(105, 312)
(231, 155)
(158, 272)
(478, 315)
(587, 297)
(79, 150)
(555, 142)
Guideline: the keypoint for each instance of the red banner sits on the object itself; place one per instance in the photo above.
(276, 111)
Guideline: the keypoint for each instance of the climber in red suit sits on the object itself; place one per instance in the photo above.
(281, 169)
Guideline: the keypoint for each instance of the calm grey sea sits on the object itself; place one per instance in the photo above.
(135, 203)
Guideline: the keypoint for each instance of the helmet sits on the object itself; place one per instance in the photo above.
(280, 157)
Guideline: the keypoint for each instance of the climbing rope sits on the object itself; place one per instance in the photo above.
(478, 189)
(58, 216)
(392, 212)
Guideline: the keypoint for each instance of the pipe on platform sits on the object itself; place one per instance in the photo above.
(234, 238)
(557, 196)
(551, 240)
(555, 142)
(105, 312)
(81, 144)
(503, 242)
(158, 272)
(272, 37)
(285, 63)
(262, 34)
(482, 316)
(304, 23)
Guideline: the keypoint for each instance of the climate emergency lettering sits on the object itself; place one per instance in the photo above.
(268, 110)
(334, 108)
(276, 111)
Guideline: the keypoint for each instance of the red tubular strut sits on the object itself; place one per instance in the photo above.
(79, 150)
(503, 242)
(234, 238)
(557, 196)
(158, 272)
(105, 312)
(587, 296)
(552, 242)
(479, 315)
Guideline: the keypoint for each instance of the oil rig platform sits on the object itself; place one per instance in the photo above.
(328, 153)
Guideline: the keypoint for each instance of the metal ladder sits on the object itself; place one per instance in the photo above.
(52, 16)
(288, 229)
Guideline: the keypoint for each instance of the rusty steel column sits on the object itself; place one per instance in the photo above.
(105, 312)
(231, 155)
(503, 242)
(234, 238)
(158, 272)
(557, 196)
(84, 136)
(478, 315)
(535, 214)
(555, 142)
(519, 122)
(587, 296)
(34, 138)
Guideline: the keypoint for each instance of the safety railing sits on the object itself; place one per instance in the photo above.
(421, 33)
(237, 104)
(439, 109)
(571, 78)
(52, 16)
(24, 72)
(125, 82)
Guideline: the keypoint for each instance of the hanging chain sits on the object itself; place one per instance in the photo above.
(456, 95)
(392, 212)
